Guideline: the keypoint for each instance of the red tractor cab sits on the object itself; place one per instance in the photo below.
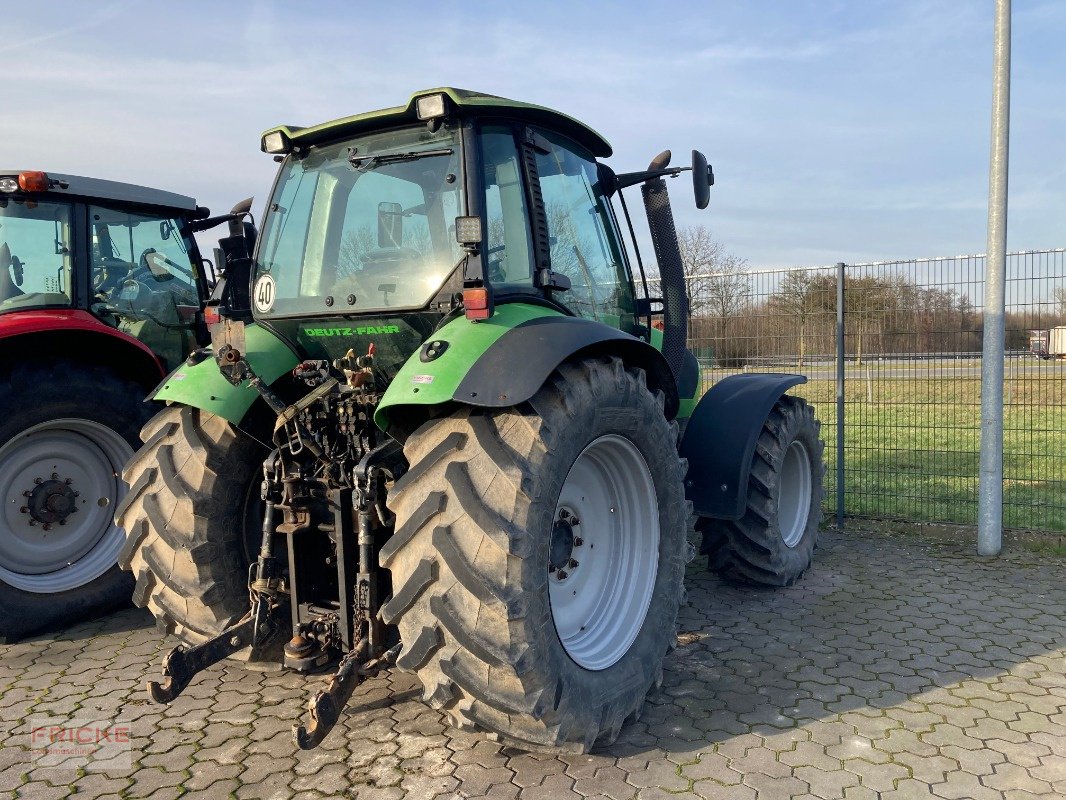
(101, 291)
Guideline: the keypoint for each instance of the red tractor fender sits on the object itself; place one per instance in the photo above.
(50, 333)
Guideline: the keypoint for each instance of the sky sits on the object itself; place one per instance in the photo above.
(838, 131)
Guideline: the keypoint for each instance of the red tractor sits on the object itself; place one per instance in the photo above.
(101, 295)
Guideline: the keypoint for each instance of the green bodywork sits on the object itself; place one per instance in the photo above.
(416, 383)
(430, 383)
(203, 386)
(464, 99)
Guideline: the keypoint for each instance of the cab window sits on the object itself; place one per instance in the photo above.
(143, 279)
(509, 247)
(580, 230)
(35, 254)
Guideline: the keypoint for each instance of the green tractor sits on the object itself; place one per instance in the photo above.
(446, 435)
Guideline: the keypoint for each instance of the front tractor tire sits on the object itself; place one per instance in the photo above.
(773, 543)
(189, 517)
(538, 558)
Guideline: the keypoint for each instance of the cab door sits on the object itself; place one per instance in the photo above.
(145, 278)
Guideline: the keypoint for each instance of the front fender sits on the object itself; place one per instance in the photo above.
(505, 359)
(202, 385)
(720, 438)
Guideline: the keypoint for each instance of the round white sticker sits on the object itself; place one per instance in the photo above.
(263, 294)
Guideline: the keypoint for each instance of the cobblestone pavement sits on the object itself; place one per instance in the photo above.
(898, 668)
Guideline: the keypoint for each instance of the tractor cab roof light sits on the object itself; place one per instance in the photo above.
(430, 107)
(28, 181)
(276, 142)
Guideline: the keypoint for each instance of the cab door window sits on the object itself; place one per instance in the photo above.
(143, 279)
(509, 246)
(580, 230)
(36, 254)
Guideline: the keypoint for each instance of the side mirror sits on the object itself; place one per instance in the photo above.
(390, 225)
(702, 179)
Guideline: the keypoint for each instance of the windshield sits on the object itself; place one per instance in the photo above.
(367, 224)
(35, 254)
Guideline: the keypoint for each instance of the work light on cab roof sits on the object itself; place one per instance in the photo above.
(27, 181)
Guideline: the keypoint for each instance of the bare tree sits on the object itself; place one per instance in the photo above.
(1060, 297)
(718, 283)
(797, 298)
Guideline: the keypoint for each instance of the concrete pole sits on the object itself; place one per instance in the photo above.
(990, 489)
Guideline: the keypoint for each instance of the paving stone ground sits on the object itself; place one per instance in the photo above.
(898, 668)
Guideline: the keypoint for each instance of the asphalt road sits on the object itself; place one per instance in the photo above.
(925, 368)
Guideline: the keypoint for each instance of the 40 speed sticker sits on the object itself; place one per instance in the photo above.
(263, 294)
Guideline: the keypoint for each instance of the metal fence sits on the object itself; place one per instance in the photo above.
(911, 365)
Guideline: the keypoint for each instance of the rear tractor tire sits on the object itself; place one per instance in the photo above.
(538, 558)
(773, 543)
(191, 521)
(65, 431)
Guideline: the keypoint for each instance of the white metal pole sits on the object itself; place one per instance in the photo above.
(990, 489)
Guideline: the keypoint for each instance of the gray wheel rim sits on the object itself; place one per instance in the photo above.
(87, 458)
(794, 496)
(601, 592)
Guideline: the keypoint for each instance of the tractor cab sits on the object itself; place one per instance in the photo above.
(122, 255)
(382, 224)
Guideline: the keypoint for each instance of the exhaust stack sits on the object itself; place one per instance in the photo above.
(668, 256)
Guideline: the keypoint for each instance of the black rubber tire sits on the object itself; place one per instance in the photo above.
(470, 553)
(752, 549)
(33, 394)
(188, 516)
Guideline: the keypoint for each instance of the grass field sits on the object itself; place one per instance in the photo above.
(911, 446)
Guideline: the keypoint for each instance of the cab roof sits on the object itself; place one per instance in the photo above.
(466, 101)
(100, 189)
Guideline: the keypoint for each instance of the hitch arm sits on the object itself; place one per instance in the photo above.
(181, 664)
(326, 706)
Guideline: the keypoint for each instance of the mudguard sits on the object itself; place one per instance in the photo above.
(505, 359)
(720, 438)
(202, 385)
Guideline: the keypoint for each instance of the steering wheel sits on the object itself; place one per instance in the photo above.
(109, 273)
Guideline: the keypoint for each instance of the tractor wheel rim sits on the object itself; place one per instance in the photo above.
(45, 546)
(609, 509)
(794, 497)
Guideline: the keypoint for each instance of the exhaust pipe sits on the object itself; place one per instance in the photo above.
(668, 256)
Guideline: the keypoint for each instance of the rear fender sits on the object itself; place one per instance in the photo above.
(504, 361)
(720, 438)
(203, 386)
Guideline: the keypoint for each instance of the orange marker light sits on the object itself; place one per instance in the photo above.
(476, 303)
(33, 181)
(212, 315)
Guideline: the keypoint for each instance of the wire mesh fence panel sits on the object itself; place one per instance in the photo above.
(770, 321)
(912, 365)
(1034, 392)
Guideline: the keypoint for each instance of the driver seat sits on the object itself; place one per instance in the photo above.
(8, 287)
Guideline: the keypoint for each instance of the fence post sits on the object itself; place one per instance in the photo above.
(840, 395)
(990, 486)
